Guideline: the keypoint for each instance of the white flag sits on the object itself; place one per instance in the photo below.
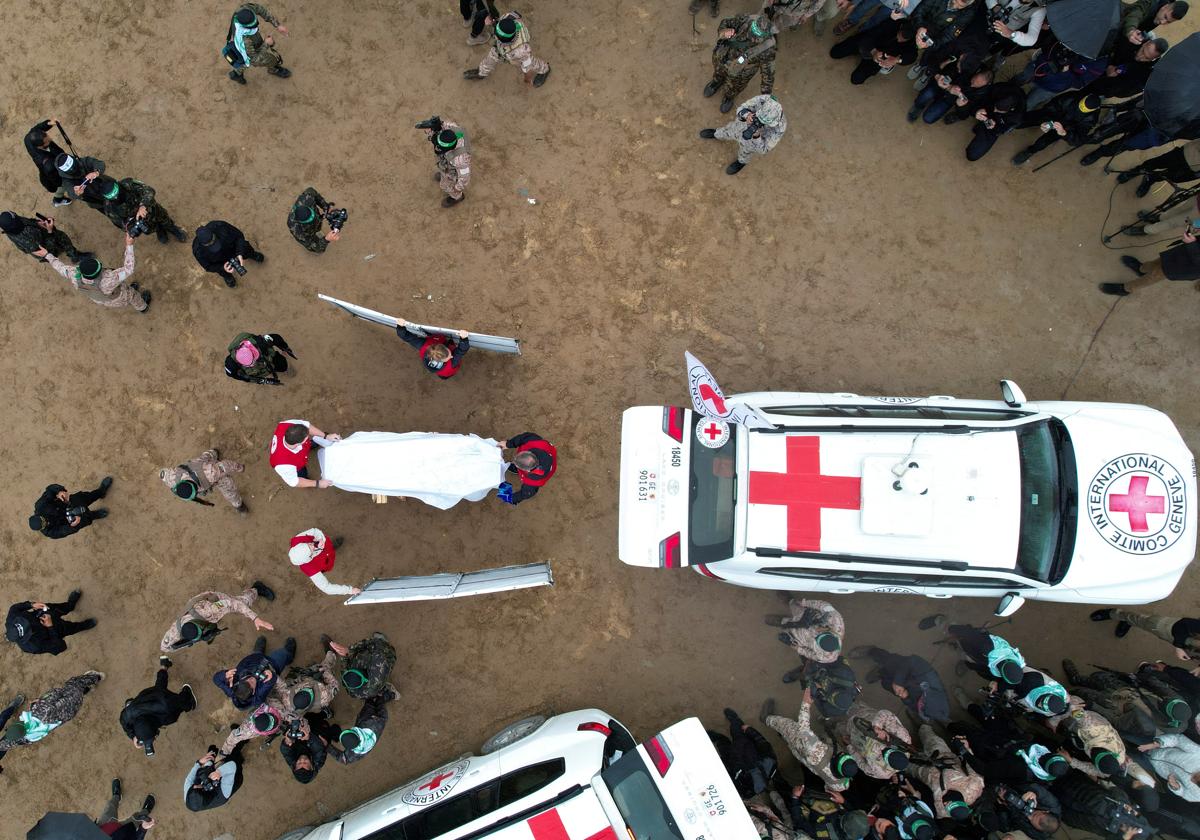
(709, 401)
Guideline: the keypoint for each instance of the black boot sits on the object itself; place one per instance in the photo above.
(540, 78)
(237, 76)
(1133, 264)
(1126, 177)
(1114, 289)
(1071, 671)
(1143, 188)
(105, 483)
(726, 105)
(263, 590)
(734, 168)
(280, 71)
(179, 233)
(708, 133)
(711, 88)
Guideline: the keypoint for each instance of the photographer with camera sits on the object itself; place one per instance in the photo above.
(42, 234)
(815, 752)
(105, 287)
(131, 206)
(757, 129)
(305, 745)
(1030, 808)
(213, 780)
(38, 627)
(453, 153)
(58, 513)
(306, 217)
(154, 708)
(249, 682)
(246, 47)
(1100, 808)
(258, 358)
(194, 479)
(222, 249)
(1071, 116)
(198, 623)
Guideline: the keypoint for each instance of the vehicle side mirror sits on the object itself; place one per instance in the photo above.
(1009, 604)
(1013, 396)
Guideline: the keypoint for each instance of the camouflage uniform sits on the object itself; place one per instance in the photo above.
(764, 140)
(454, 165)
(948, 772)
(33, 236)
(210, 607)
(246, 730)
(809, 748)
(320, 678)
(819, 617)
(56, 706)
(374, 657)
(757, 54)
(856, 732)
(1120, 703)
(109, 287)
(788, 14)
(261, 53)
(309, 234)
(135, 194)
(518, 51)
(208, 470)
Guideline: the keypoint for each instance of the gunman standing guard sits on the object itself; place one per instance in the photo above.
(759, 126)
(510, 44)
(251, 48)
(745, 46)
(195, 478)
(453, 153)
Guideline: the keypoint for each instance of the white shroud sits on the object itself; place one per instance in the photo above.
(440, 470)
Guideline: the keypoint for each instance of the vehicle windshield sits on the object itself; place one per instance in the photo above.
(712, 492)
(1049, 497)
(641, 805)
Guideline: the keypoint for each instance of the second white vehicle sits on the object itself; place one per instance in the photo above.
(1059, 501)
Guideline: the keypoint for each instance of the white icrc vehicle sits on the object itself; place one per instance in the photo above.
(576, 776)
(938, 496)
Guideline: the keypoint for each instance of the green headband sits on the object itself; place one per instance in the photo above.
(1098, 756)
(457, 136)
(185, 489)
(362, 678)
(1173, 703)
(113, 190)
(758, 33)
(312, 214)
(841, 762)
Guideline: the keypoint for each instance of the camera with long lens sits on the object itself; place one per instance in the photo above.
(237, 266)
(135, 227)
(295, 730)
(337, 217)
(754, 126)
(76, 511)
(1014, 801)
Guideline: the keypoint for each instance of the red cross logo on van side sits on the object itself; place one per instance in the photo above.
(805, 492)
(436, 781)
(1137, 504)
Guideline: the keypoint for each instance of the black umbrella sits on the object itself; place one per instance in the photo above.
(58, 826)
(1173, 89)
(1084, 26)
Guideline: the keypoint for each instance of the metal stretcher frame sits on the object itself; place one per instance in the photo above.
(479, 341)
(454, 584)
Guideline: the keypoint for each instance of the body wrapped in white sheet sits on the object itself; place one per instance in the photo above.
(440, 470)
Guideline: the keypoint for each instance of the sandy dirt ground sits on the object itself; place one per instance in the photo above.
(865, 254)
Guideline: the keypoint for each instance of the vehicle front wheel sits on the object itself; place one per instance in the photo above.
(512, 733)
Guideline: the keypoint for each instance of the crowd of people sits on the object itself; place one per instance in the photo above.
(1110, 752)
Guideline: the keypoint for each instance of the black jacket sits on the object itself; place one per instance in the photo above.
(1005, 105)
(927, 697)
(229, 241)
(458, 349)
(54, 511)
(315, 748)
(1064, 109)
(1094, 808)
(38, 638)
(1013, 819)
(44, 158)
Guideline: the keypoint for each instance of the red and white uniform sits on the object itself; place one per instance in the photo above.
(314, 554)
(289, 460)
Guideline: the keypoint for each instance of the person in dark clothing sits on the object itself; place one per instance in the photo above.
(748, 757)
(1161, 676)
(155, 708)
(78, 176)
(1071, 116)
(949, 96)
(305, 750)
(1001, 109)
(818, 818)
(30, 235)
(834, 685)
(1178, 262)
(1180, 165)
(133, 828)
(1001, 752)
(1103, 810)
(216, 246)
(989, 656)
(880, 49)
(1130, 130)
(38, 627)
(249, 682)
(441, 354)
(356, 743)
(44, 152)
(938, 22)
(1031, 808)
(6, 714)
(475, 14)
(914, 681)
(213, 781)
(59, 514)
(534, 459)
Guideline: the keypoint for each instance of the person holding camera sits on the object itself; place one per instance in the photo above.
(246, 46)
(131, 206)
(38, 627)
(213, 780)
(105, 287)
(453, 153)
(201, 614)
(258, 358)
(249, 682)
(307, 216)
(1071, 116)
(194, 479)
(999, 110)
(807, 746)
(757, 129)
(78, 174)
(1030, 808)
(152, 709)
(510, 44)
(305, 746)
(1140, 17)
(58, 513)
(441, 354)
(42, 233)
(222, 249)
(880, 50)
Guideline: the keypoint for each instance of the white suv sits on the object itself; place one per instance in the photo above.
(577, 776)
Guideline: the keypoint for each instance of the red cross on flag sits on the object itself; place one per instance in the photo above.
(708, 399)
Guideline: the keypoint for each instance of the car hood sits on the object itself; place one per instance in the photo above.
(1136, 531)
